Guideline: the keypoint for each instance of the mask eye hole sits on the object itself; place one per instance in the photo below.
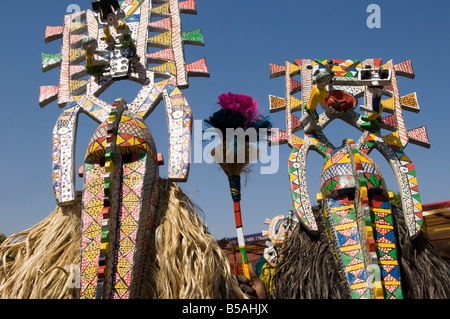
(344, 195)
(97, 158)
(377, 195)
(102, 161)
(130, 157)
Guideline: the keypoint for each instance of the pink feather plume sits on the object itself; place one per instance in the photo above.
(243, 104)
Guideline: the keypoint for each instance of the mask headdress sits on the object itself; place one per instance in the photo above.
(121, 163)
(280, 229)
(353, 195)
(85, 35)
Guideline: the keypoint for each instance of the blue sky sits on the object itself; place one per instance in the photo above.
(241, 38)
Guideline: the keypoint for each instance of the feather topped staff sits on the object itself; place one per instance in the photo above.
(237, 115)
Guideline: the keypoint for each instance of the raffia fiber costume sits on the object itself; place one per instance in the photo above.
(188, 261)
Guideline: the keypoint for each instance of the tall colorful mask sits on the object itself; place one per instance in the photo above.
(355, 202)
(353, 194)
(120, 172)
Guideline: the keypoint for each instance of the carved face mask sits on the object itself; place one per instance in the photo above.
(99, 47)
(354, 196)
(120, 195)
(358, 214)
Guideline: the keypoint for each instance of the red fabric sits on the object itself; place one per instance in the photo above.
(433, 206)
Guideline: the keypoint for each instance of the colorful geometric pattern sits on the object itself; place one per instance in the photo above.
(47, 94)
(288, 103)
(188, 6)
(161, 25)
(132, 135)
(306, 80)
(100, 192)
(53, 33)
(363, 231)
(402, 135)
(409, 102)
(179, 118)
(197, 68)
(50, 61)
(342, 221)
(128, 227)
(388, 105)
(168, 68)
(372, 174)
(390, 120)
(277, 70)
(124, 201)
(342, 68)
(96, 108)
(366, 142)
(276, 103)
(405, 172)
(161, 11)
(93, 196)
(78, 87)
(405, 69)
(297, 176)
(383, 234)
(110, 206)
(337, 173)
(133, 223)
(419, 136)
(97, 145)
(361, 204)
(295, 104)
(161, 56)
(193, 37)
(63, 174)
(64, 75)
(295, 86)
